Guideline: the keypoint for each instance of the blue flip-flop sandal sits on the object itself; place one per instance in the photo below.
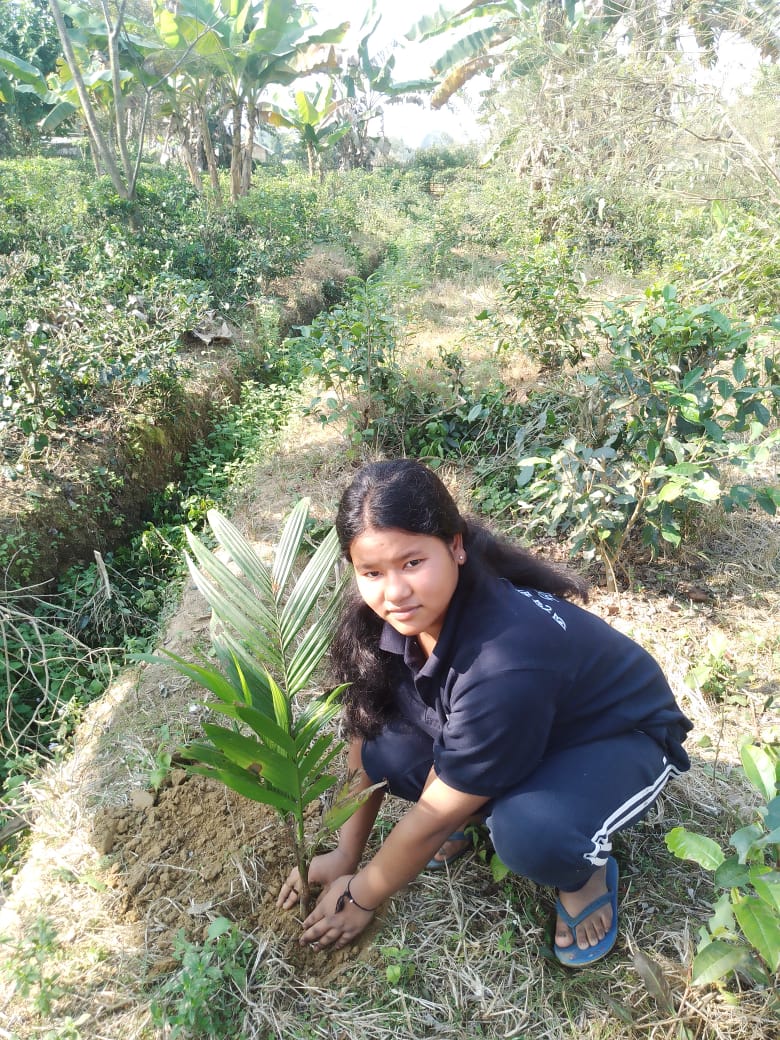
(440, 864)
(572, 956)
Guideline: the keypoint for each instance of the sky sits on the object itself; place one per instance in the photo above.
(411, 123)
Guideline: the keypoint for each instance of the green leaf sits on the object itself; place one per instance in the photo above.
(212, 763)
(233, 655)
(281, 706)
(62, 110)
(669, 492)
(744, 839)
(312, 648)
(257, 759)
(766, 883)
(498, 868)
(310, 585)
(732, 873)
(318, 789)
(717, 959)
(229, 597)
(721, 924)
(769, 500)
(244, 784)
(761, 928)
(23, 72)
(206, 677)
(760, 769)
(671, 533)
(697, 847)
(242, 553)
(346, 803)
(316, 753)
(289, 546)
(266, 728)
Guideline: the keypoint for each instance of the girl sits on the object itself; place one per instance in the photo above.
(479, 691)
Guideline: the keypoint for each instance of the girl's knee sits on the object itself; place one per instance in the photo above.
(545, 850)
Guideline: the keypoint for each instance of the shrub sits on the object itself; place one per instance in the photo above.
(681, 394)
(743, 933)
(203, 997)
(542, 293)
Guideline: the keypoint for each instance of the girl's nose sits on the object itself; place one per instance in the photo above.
(396, 587)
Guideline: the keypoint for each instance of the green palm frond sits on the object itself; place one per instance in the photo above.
(289, 547)
(270, 629)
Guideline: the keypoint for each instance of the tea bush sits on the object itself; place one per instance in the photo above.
(543, 310)
(351, 352)
(681, 394)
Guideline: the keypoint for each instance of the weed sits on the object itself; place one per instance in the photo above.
(716, 675)
(202, 998)
(31, 966)
(399, 964)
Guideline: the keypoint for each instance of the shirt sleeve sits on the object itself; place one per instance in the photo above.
(497, 731)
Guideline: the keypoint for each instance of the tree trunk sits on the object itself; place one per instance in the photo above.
(189, 158)
(249, 148)
(235, 154)
(97, 138)
(211, 158)
(120, 122)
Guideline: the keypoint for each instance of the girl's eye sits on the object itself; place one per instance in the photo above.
(413, 563)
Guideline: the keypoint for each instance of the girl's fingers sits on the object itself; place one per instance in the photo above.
(288, 894)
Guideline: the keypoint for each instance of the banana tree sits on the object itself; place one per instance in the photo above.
(518, 27)
(501, 25)
(270, 631)
(105, 60)
(315, 120)
(250, 44)
(364, 87)
(19, 77)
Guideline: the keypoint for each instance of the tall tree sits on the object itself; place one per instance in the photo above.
(250, 45)
(104, 61)
(364, 87)
(510, 31)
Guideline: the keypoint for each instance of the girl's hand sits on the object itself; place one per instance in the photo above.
(322, 871)
(325, 926)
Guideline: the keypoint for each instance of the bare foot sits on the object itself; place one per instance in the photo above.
(596, 925)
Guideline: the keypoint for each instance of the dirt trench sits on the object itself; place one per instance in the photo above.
(94, 486)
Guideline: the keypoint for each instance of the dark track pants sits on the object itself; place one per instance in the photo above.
(556, 826)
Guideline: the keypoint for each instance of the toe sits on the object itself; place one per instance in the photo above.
(563, 936)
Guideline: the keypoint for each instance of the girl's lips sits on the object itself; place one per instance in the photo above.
(402, 615)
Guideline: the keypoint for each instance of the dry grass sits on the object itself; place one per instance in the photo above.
(474, 955)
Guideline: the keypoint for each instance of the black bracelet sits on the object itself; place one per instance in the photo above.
(347, 895)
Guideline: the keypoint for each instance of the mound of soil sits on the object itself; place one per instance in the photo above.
(195, 850)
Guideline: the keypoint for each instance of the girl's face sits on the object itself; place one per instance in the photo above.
(407, 579)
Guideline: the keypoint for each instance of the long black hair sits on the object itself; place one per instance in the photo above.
(405, 495)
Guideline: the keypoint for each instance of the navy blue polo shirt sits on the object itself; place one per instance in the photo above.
(518, 673)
